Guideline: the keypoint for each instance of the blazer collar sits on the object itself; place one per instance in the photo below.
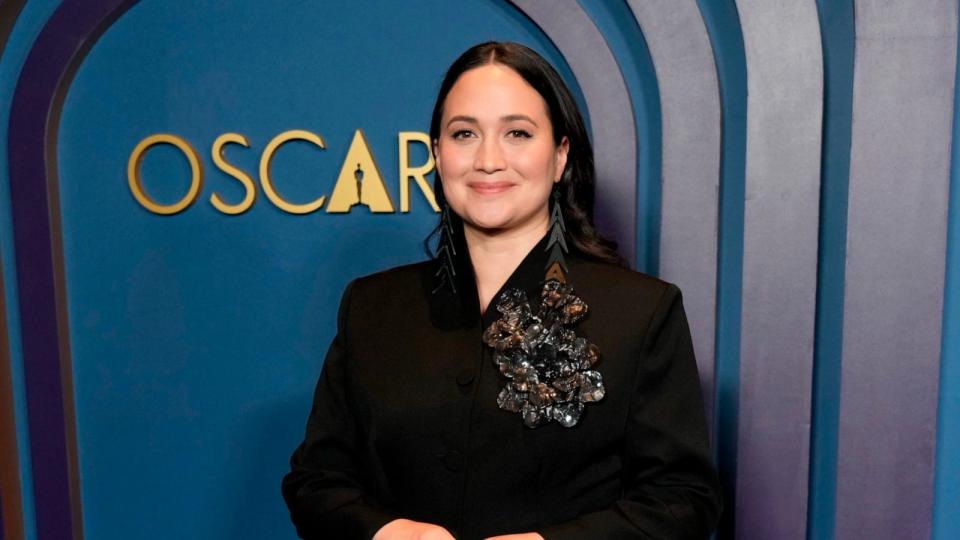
(451, 310)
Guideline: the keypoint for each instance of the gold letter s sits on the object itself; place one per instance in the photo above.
(217, 154)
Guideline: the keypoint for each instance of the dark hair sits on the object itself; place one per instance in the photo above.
(578, 179)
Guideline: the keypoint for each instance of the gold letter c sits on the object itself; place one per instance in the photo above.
(268, 189)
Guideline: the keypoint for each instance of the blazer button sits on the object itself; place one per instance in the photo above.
(465, 377)
(453, 460)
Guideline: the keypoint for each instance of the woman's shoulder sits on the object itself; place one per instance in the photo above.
(393, 281)
(626, 294)
(618, 279)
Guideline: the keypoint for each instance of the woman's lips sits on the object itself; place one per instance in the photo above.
(490, 188)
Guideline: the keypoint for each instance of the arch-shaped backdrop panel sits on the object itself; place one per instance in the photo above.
(140, 304)
(606, 93)
(24, 29)
(47, 384)
(784, 113)
(896, 239)
(11, 501)
(836, 22)
(690, 112)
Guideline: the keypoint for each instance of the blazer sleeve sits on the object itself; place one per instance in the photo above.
(671, 489)
(324, 489)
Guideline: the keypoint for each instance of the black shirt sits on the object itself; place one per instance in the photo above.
(405, 422)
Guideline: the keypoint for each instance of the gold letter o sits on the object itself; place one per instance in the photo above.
(135, 182)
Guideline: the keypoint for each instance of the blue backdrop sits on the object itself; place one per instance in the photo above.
(191, 342)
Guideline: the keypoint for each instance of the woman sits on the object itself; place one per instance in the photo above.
(523, 384)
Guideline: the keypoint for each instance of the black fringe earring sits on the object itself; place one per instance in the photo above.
(445, 252)
(549, 370)
(557, 245)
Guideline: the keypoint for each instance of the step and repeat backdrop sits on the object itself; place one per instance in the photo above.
(187, 187)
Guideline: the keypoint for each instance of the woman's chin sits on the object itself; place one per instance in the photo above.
(490, 225)
(499, 222)
(490, 229)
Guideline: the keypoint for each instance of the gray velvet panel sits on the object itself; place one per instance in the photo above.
(611, 113)
(896, 237)
(690, 112)
(784, 127)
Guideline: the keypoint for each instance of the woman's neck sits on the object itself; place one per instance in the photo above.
(496, 256)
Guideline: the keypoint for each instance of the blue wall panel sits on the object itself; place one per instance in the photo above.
(196, 338)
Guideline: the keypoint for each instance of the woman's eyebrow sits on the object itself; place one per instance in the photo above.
(462, 118)
(507, 118)
(515, 117)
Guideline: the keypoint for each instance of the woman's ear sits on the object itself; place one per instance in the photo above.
(562, 150)
(436, 157)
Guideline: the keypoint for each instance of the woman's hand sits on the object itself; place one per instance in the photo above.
(405, 529)
(525, 536)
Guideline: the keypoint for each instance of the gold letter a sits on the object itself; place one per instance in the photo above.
(359, 181)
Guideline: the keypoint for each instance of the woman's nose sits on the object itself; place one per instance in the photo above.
(489, 157)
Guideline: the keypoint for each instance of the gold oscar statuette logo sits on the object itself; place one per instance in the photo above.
(358, 183)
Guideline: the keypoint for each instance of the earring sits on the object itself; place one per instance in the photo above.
(445, 251)
(557, 245)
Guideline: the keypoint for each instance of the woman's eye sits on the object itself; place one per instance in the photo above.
(521, 133)
(461, 134)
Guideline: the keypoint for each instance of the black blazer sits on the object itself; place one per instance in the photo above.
(405, 422)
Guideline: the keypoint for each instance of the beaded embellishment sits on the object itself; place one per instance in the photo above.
(549, 369)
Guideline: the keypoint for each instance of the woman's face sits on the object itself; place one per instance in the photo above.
(496, 153)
